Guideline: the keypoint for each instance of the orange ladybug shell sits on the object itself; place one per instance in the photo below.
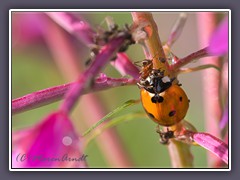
(171, 110)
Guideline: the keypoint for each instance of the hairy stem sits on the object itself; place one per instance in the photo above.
(179, 152)
(153, 43)
(56, 93)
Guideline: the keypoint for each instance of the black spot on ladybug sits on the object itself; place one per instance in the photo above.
(156, 99)
(179, 84)
(180, 98)
(151, 115)
(189, 100)
(172, 113)
(160, 99)
(153, 99)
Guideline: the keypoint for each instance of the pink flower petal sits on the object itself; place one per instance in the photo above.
(219, 41)
(48, 144)
(213, 144)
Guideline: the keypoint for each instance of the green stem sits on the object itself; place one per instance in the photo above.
(206, 66)
(114, 122)
(180, 154)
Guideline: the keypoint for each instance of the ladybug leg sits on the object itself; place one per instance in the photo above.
(163, 139)
(158, 129)
(140, 85)
(164, 135)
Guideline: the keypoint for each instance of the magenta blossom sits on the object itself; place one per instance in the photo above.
(28, 28)
(51, 144)
(219, 41)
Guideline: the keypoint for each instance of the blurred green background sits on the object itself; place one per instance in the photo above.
(33, 68)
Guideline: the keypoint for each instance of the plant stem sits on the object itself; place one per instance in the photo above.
(153, 43)
(179, 152)
(183, 61)
(198, 68)
(56, 93)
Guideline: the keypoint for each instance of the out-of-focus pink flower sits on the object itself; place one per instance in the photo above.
(219, 41)
(27, 27)
(51, 144)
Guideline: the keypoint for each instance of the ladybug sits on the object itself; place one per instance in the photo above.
(164, 102)
(166, 108)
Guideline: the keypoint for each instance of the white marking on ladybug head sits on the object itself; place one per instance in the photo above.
(166, 79)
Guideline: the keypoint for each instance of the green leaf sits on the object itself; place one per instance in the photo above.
(109, 115)
(114, 122)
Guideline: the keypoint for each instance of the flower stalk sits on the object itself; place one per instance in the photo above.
(191, 57)
(154, 49)
(56, 93)
(180, 154)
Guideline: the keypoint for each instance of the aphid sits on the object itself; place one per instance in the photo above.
(102, 37)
